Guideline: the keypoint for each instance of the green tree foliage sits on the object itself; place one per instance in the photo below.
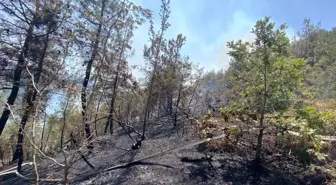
(265, 76)
(318, 47)
(278, 83)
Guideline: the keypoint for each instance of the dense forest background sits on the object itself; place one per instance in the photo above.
(281, 89)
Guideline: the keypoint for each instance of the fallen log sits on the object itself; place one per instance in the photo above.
(324, 138)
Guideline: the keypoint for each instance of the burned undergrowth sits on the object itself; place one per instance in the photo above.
(223, 161)
(77, 110)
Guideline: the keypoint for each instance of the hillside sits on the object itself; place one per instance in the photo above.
(191, 165)
(167, 92)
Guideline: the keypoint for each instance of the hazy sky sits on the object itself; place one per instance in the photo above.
(209, 24)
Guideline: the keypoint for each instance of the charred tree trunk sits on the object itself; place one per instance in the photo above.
(149, 98)
(110, 119)
(87, 76)
(109, 122)
(170, 103)
(128, 111)
(177, 104)
(31, 98)
(171, 92)
(148, 103)
(18, 154)
(97, 109)
(155, 57)
(259, 144)
(17, 77)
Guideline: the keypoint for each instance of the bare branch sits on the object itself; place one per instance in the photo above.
(21, 12)
(33, 142)
(24, 4)
(13, 168)
(30, 141)
(12, 12)
(33, 82)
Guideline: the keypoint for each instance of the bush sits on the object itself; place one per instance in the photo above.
(303, 137)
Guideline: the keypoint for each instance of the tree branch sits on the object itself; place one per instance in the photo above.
(33, 82)
(30, 141)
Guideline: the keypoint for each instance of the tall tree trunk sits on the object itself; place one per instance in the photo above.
(149, 98)
(156, 44)
(31, 98)
(87, 76)
(128, 110)
(18, 154)
(97, 109)
(170, 102)
(115, 91)
(262, 116)
(177, 104)
(148, 104)
(17, 77)
(109, 122)
(170, 92)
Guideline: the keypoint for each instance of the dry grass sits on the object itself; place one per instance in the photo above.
(325, 105)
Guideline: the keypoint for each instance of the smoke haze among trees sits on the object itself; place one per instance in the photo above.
(69, 85)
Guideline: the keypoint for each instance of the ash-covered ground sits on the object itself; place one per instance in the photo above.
(187, 166)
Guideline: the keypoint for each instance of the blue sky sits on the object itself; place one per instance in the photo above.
(209, 24)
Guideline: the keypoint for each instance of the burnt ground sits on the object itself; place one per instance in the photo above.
(187, 166)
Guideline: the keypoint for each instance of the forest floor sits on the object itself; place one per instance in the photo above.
(187, 166)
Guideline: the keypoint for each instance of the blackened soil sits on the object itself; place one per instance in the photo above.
(187, 166)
